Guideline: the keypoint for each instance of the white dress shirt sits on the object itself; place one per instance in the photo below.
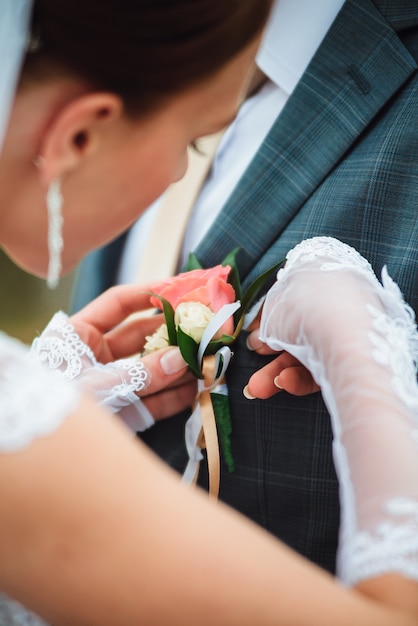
(293, 34)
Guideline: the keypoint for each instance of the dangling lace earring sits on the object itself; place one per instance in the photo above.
(54, 202)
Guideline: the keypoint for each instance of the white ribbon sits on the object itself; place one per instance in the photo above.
(223, 357)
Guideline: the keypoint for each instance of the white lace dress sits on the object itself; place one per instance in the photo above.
(33, 403)
(35, 397)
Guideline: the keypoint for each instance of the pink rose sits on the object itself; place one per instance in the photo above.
(209, 287)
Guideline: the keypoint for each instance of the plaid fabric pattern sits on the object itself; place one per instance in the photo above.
(341, 160)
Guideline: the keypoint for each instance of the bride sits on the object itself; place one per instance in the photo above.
(97, 106)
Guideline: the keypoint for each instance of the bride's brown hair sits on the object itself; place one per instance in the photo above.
(143, 50)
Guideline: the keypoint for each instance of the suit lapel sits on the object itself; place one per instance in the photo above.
(360, 65)
(402, 14)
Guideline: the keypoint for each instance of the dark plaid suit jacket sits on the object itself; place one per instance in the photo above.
(341, 160)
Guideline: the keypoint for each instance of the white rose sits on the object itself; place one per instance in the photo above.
(193, 319)
(156, 341)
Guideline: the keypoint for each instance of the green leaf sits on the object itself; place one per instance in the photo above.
(253, 290)
(169, 318)
(222, 413)
(214, 346)
(189, 348)
(193, 263)
(233, 278)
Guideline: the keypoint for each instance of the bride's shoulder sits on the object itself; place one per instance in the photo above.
(12, 353)
(15, 354)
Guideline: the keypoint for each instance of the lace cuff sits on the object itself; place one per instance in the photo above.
(359, 340)
(114, 385)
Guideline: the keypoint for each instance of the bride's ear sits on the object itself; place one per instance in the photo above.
(76, 132)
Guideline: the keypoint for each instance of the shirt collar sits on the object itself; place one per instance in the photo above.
(293, 34)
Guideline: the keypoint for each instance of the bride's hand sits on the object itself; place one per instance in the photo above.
(110, 326)
(95, 348)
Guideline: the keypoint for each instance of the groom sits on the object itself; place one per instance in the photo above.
(340, 159)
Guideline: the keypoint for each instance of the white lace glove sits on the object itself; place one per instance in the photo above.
(359, 340)
(114, 384)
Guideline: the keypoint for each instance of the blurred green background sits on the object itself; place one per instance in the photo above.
(26, 303)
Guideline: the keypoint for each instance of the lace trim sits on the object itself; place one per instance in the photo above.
(43, 406)
(63, 351)
(344, 256)
(60, 348)
(137, 379)
(396, 340)
(391, 547)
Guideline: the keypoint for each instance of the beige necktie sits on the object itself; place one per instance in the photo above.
(160, 259)
(160, 256)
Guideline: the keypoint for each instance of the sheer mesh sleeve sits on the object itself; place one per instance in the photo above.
(33, 401)
(359, 339)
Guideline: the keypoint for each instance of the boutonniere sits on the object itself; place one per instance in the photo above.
(204, 311)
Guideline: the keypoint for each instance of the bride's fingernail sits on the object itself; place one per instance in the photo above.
(253, 342)
(247, 393)
(172, 361)
(276, 382)
(247, 343)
